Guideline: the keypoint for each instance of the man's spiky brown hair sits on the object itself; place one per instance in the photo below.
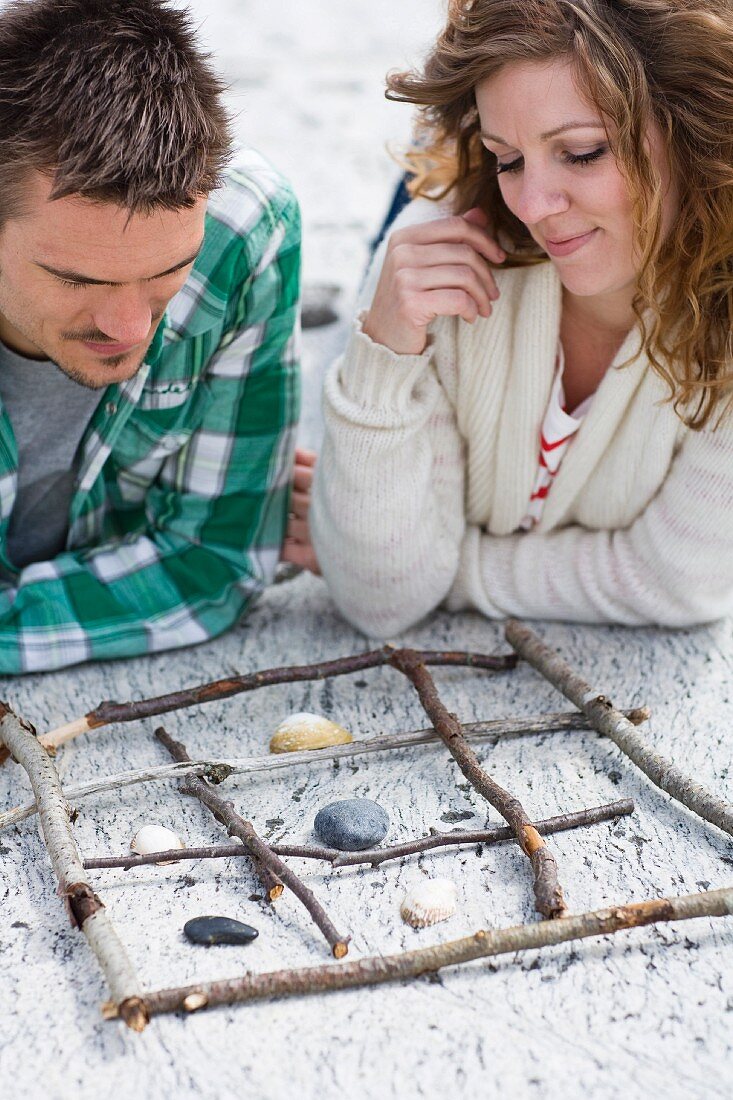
(113, 99)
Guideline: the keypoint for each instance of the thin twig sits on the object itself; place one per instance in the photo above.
(428, 960)
(224, 812)
(84, 908)
(607, 720)
(547, 890)
(218, 770)
(376, 856)
(271, 884)
(109, 712)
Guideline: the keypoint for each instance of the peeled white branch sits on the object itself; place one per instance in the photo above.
(604, 717)
(218, 770)
(85, 910)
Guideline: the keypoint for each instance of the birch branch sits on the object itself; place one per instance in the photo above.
(218, 770)
(84, 908)
(604, 717)
(235, 825)
(486, 943)
(108, 712)
(548, 894)
(376, 856)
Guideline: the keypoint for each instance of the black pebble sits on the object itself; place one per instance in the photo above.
(211, 930)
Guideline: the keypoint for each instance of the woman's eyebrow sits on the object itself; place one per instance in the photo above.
(595, 125)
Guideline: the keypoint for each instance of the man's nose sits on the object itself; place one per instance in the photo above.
(539, 197)
(125, 316)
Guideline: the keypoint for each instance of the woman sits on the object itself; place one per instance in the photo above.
(549, 438)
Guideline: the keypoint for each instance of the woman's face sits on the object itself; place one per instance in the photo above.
(558, 175)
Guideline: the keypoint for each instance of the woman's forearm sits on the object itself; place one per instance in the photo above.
(387, 513)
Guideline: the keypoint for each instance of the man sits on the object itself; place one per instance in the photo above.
(148, 373)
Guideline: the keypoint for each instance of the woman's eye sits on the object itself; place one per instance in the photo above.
(510, 166)
(570, 158)
(586, 158)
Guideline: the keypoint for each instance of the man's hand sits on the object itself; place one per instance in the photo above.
(297, 546)
(437, 269)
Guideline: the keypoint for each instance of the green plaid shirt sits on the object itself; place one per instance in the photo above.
(182, 495)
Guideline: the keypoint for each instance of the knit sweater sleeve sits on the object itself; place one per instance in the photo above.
(673, 566)
(387, 514)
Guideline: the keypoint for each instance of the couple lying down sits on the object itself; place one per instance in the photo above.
(531, 417)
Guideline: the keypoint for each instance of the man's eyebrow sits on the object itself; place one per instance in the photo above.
(77, 277)
(595, 125)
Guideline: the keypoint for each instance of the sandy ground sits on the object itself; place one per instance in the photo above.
(646, 1013)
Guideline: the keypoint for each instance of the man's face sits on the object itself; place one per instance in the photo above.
(85, 284)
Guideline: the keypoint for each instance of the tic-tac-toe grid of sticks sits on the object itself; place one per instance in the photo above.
(131, 1002)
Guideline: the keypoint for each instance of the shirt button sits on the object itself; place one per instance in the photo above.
(110, 408)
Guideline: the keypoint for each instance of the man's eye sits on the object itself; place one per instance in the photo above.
(70, 282)
(510, 166)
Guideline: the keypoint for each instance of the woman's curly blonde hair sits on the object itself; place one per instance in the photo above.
(668, 62)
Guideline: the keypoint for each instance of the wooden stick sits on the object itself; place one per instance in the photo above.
(376, 856)
(604, 717)
(224, 812)
(108, 712)
(271, 884)
(84, 908)
(217, 770)
(548, 893)
(428, 960)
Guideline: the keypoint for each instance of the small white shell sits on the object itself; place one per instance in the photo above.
(307, 731)
(429, 902)
(155, 838)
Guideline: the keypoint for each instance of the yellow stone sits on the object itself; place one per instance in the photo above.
(308, 731)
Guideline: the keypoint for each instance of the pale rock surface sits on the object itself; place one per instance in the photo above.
(646, 1013)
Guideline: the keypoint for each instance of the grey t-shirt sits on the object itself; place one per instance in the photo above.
(49, 414)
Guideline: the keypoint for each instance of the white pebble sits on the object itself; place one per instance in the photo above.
(155, 838)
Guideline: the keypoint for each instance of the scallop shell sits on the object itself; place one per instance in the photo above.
(429, 902)
(307, 731)
(155, 838)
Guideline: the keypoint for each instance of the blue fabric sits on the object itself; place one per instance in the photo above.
(400, 199)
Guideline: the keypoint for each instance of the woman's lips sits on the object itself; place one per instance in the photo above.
(567, 245)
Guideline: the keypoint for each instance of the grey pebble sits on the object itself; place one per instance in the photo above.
(213, 930)
(352, 824)
(318, 305)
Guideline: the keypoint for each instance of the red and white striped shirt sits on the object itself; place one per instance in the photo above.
(558, 429)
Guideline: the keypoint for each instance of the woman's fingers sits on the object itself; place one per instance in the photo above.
(455, 230)
(454, 277)
(438, 268)
(426, 256)
(451, 303)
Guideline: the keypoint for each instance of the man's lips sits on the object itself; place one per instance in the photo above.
(109, 350)
(564, 246)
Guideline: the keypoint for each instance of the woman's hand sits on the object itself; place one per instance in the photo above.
(437, 269)
(297, 547)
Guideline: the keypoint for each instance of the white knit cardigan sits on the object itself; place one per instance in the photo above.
(428, 464)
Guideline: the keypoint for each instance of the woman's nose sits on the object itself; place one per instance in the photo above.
(539, 197)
